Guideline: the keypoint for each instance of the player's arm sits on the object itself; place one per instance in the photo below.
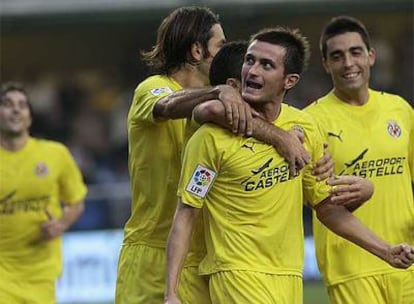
(180, 104)
(286, 144)
(55, 227)
(178, 244)
(343, 223)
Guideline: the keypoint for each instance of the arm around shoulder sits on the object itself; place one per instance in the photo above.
(180, 104)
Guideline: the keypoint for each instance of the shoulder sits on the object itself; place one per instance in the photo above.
(319, 105)
(211, 130)
(157, 85)
(213, 136)
(49, 146)
(391, 100)
(300, 116)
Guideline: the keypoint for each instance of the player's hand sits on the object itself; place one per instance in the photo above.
(298, 133)
(324, 167)
(289, 146)
(350, 191)
(400, 256)
(239, 115)
(52, 228)
(172, 299)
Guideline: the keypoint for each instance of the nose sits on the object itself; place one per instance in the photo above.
(253, 70)
(15, 107)
(348, 61)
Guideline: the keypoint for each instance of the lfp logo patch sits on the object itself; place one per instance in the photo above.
(394, 129)
(201, 181)
(159, 91)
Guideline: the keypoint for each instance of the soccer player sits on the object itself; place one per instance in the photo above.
(226, 69)
(252, 210)
(187, 40)
(370, 135)
(35, 176)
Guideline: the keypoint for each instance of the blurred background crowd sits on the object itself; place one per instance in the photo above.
(80, 63)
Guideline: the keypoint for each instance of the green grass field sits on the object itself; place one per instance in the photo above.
(314, 293)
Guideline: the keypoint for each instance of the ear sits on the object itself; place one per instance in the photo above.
(235, 83)
(291, 80)
(197, 51)
(372, 56)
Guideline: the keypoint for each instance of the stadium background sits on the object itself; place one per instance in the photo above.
(79, 60)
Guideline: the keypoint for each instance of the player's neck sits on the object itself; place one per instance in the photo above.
(189, 77)
(355, 97)
(13, 143)
(269, 111)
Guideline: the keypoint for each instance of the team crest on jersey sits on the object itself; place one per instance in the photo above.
(201, 181)
(41, 170)
(159, 91)
(394, 129)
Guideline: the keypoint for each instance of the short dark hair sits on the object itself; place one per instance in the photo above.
(297, 46)
(177, 32)
(228, 62)
(341, 25)
(12, 86)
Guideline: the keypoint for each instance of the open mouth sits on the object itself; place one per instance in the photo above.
(253, 85)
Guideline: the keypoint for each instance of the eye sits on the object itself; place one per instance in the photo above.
(249, 60)
(6, 103)
(267, 66)
(356, 53)
(335, 57)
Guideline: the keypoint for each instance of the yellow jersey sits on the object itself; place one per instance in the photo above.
(374, 141)
(154, 164)
(252, 210)
(32, 180)
(197, 249)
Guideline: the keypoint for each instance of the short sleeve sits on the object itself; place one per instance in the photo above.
(199, 169)
(146, 96)
(71, 185)
(314, 191)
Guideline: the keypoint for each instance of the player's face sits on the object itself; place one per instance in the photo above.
(263, 78)
(348, 61)
(214, 45)
(15, 117)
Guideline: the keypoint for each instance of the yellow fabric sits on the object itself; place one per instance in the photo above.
(235, 287)
(395, 288)
(28, 291)
(197, 249)
(140, 279)
(154, 164)
(252, 212)
(193, 288)
(371, 141)
(33, 179)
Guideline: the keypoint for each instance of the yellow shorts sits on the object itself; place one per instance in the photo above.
(193, 288)
(395, 288)
(22, 291)
(254, 287)
(141, 275)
